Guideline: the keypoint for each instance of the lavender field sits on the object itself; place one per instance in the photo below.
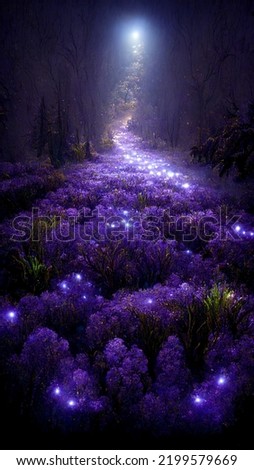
(127, 303)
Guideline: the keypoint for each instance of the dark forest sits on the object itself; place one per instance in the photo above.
(127, 223)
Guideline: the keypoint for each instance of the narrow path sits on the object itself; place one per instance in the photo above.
(124, 319)
(165, 182)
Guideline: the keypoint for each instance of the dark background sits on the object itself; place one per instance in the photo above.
(70, 55)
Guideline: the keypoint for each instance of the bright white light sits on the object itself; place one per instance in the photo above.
(78, 277)
(221, 381)
(57, 391)
(71, 403)
(84, 297)
(11, 315)
(158, 173)
(188, 252)
(185, 185)
(135, 35)
(64, 285)
(238, 228)
(198, 400)
(150, 301)
(125, 212)
(170, 174)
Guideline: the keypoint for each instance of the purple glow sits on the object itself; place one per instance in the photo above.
(71, 403)
(115, 350)
(221, 380)
(11, 315)
(198, 400)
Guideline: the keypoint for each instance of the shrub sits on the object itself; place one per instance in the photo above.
(224, 309)
(107, 141)
(28, 272)
(117, 265)
(231, 148)
(200, 320)
(151, 334)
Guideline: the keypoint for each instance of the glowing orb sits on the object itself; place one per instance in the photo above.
(221, 381)
(135, 35)
(71, 403)
(11, 315)
(198, 400)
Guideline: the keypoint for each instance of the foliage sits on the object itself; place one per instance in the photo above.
(24, 184)
(109, 266)
(223, 309)
(107, 141)
(192, 329)
(82, 151)
(35, 275)
(231, 149)
(201, 318)
(78, 152)
(145, 333)
(116, 265)
(151, 334)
